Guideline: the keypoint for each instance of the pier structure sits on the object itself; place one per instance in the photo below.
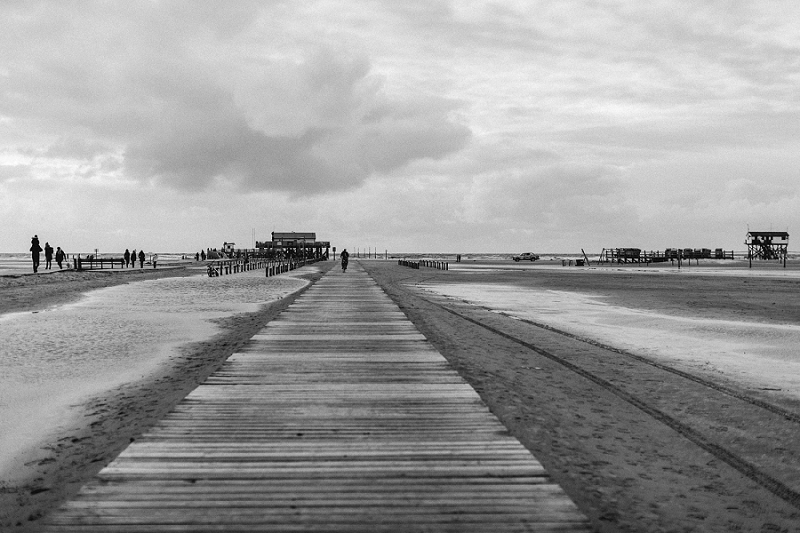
(302, 245)
(338, 415)
(637, 255)
(767, 245)
(631, 255)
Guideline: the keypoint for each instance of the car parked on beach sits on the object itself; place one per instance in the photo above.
(527, 256)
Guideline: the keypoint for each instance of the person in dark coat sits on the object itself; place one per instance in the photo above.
(345, 256)
(127, 257)
(133, 258)
(141, 258)
(60, 256)
(35, 251)
(48, 256)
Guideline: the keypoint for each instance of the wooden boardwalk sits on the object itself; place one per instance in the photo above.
(338, 416)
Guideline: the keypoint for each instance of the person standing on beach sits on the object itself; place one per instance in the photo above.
(141, 258)
(133, 258)
(48, 256)
(60, 256)
(127, 257)
(154, 259)
(35, 251)
(345, 256)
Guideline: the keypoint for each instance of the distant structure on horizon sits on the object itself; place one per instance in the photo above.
(295, 244)
(637, 255)
(767, 245)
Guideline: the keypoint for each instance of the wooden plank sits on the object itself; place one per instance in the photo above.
(336, 416)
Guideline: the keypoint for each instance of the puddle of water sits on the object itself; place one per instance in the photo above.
(755, 354)
(53, 361)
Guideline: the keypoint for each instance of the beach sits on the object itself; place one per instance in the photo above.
(660, 399)
(91, 359)
(560, 354)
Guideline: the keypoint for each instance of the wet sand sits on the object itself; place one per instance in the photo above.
(625, 467)
(80, 447)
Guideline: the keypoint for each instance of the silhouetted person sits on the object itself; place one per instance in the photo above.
(133, 258)
(127, 257)
(141, 258)
(35, 251)
(48, 256)
(60, 256)
(203, 255)
(345, 256)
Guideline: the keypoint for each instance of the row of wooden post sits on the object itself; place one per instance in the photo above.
(272, 268)
(440, 265)
(234, 266)
(276, 267)
(409, 264)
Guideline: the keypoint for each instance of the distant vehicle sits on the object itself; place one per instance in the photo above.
(527, 256)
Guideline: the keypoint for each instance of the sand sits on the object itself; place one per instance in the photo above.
(70, 420)
(627, 470)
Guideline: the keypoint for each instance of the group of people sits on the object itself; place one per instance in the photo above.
(130, 258)
(36, 250)
(60, 256)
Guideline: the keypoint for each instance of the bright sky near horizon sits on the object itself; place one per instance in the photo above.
(419, 125)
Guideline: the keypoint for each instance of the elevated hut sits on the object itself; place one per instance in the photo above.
(768, 245)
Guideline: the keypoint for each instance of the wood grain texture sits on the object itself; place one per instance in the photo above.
(337, 416)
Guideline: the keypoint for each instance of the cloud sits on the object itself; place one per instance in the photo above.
(435, 121)
(347, 131)
(148, 83)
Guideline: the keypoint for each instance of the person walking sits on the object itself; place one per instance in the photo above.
(48, 256)
(35, 251)
(127, 257)
(133, 258)
(60, 256)
(141, 258)
(345, 256)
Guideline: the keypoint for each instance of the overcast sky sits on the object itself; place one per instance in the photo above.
(414, 125)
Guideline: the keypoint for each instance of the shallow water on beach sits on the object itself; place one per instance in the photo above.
(756, 354)
(55, 360)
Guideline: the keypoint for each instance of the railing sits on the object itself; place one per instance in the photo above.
(223, 267)
(95, 263)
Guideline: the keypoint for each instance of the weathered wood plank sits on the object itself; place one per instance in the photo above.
(337, 416)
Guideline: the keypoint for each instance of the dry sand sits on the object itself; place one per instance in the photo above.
(61, 466)
(629, 466)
